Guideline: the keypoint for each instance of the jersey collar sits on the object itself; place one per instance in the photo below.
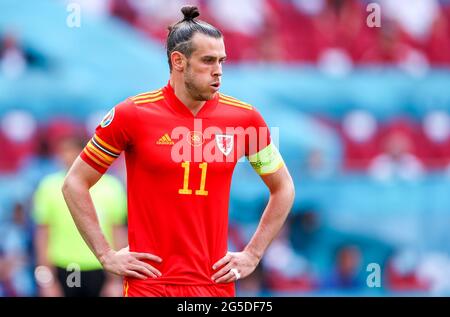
(181, 108)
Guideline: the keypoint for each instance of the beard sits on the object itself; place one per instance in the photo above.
(196, 92)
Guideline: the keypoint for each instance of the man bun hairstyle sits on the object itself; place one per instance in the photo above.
(190, 12)
(180, 34)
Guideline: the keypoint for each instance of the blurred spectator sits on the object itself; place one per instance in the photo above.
(401, 272)
(436, 144)
(246, 28)
(389, 46)
(437, 46)
(313, 239)
(397, 160)
(9, 159)
(287, 270)
(15, 58)
(348, 271)
(414, 16)
(392, 46)
(332, 33)
(246, 17)
(13, 62)
(15, 261)
(434, 270)
(41, 161)
(58, 242)
(335, 255)
(124, 9)
(39, 164)
(310, 7)
(306, 226)
(359, 131)
(153, 16)
(409, 271)
(335, 62)
(268, 44)
(340, 31)
(316, 166)
(18, 128)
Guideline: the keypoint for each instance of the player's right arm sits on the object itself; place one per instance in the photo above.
(80, 178)
(112, 136)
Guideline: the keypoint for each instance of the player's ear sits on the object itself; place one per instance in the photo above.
(178, 61)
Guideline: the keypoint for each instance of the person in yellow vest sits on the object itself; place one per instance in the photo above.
(65, 264)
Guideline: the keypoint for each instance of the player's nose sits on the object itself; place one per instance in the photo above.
(217, 70)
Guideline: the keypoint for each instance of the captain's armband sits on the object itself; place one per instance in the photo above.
(266, 161)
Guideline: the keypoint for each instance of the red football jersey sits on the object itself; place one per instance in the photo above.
(179, 169)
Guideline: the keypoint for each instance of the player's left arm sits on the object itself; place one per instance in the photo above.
(282, 194)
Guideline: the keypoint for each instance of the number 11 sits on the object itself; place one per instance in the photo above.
(185, 190)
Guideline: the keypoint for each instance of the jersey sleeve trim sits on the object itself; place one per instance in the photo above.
(99, 154)
(105, 147)
(84, 156)
(102, 155)
(92, 157)
(266, 161)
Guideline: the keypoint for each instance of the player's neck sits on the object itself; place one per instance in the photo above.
(193, 105)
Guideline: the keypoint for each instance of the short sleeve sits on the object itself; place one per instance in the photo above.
(112, 136)
(261, 152)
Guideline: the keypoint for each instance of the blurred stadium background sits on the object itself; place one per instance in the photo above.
(362, 116)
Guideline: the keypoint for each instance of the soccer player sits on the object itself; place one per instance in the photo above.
(181, 144)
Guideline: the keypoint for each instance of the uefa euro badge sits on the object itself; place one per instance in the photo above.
(195, 138)
(107, 119)
(224, 143)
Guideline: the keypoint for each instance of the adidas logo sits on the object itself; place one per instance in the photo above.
(165, 140)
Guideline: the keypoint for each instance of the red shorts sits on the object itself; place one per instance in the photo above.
(175, 290)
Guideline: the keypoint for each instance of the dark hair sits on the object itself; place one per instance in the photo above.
(181, 33)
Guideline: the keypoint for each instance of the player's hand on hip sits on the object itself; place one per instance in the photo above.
(234, 266)
(130, 264)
